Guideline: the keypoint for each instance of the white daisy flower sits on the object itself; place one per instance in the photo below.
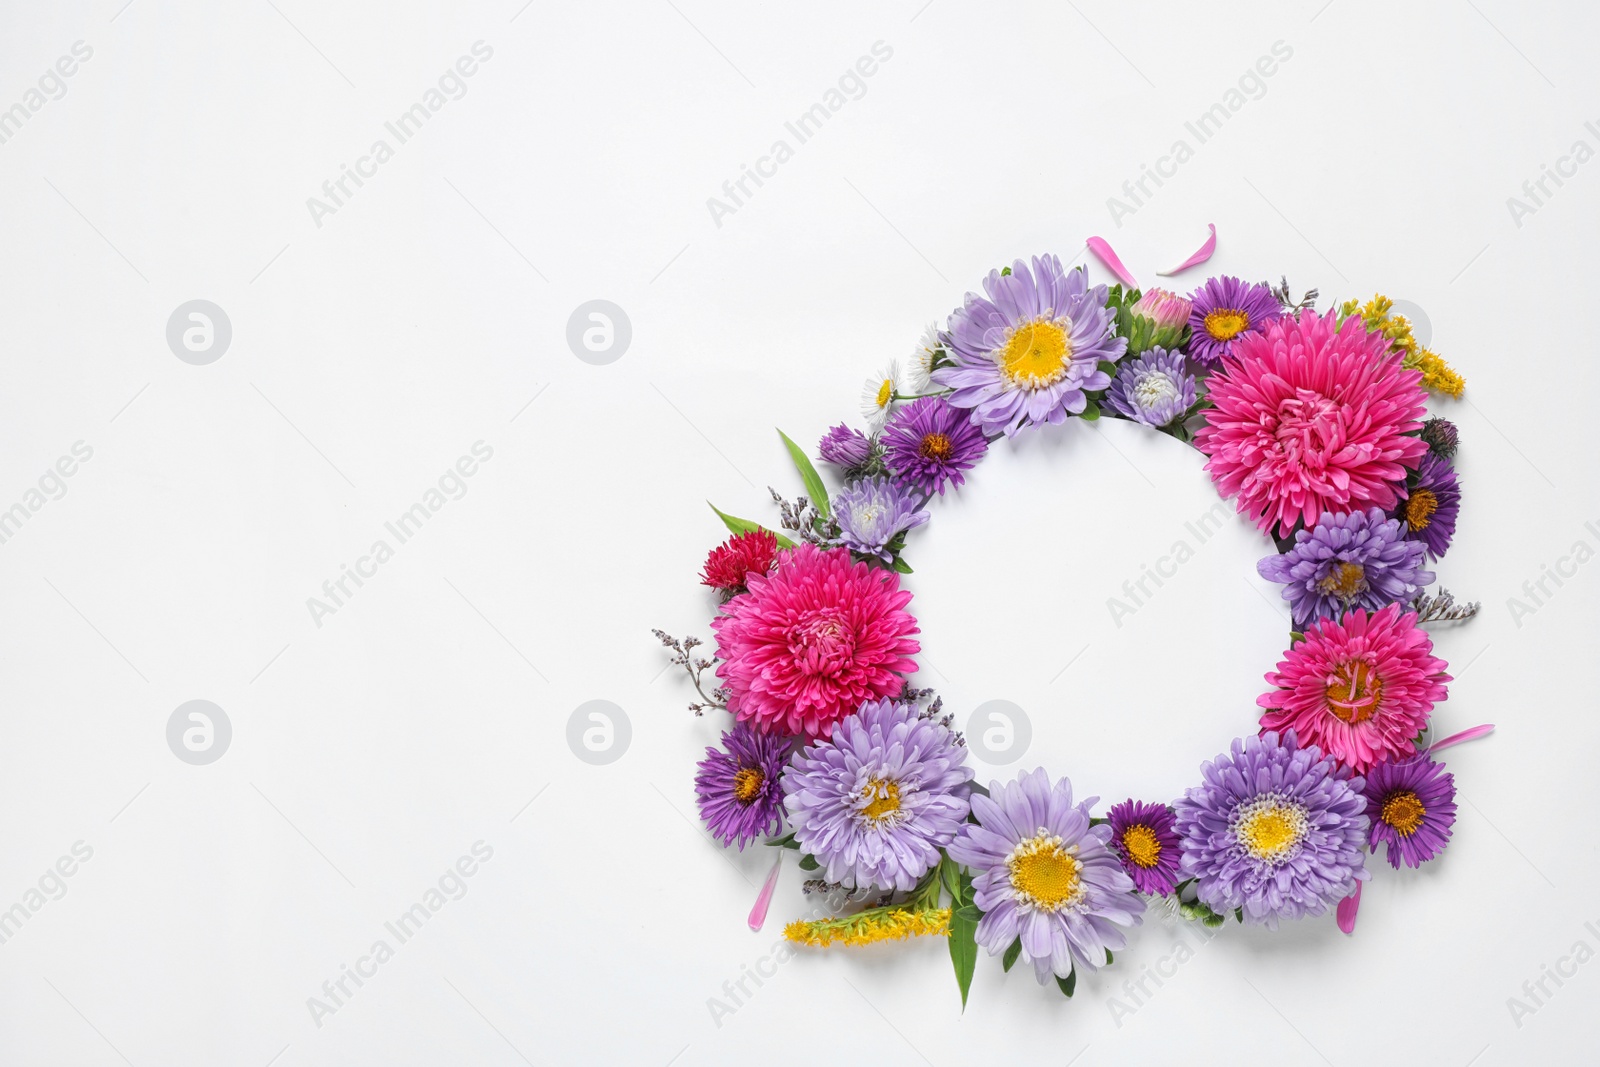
(878, 393)
(919, 368)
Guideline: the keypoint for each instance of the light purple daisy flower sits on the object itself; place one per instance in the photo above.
(1275, 829)
(1360, 560)
(1154, 389)
(929, 442)
(1028, 352)
(872, 512)
(737, 787)
(1044, 875)
(1412, 807)
(845, 447)
(1429, 512)
(1143, 838)
(1226, 309)
(876, 802)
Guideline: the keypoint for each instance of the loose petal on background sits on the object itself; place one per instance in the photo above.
(1104, 254)
(1199, 257)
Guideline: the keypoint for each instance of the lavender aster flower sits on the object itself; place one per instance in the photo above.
(1429, 512)
(737, 787)
(1274, 829)
(1360, 560)
(1143, 838)
(1412, 806)
(872, 512)
(1028, 352)
(1153, 389)
(1043, 874)
(845, 447)
(1224, 310)
(877, 801)
(929, 442)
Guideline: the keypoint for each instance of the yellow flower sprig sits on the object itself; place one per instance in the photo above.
(1378, 315)
(894, 922)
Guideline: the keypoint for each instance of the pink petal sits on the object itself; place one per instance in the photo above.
(1347, 911)
(1104, 254)
(758, 914)
(1464, 735)
(1199, 257)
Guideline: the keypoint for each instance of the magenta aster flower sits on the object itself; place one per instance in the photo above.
(1432, 505)
(1223, 311)
(929, 442)
(808, 644)
(1028, 352)
(737, 788)
(1361, 687)
(1275, 830)
(1043, 874)
(1308, 418)
(1350, 561)
(876, 802)
(1412, 806)
(1143, 838)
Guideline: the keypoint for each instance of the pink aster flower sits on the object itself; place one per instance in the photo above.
(1360, 688)
(812, 642)
(1311, 417)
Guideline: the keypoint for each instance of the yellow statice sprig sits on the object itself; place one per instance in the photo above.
(1379, 317)
(894, 922)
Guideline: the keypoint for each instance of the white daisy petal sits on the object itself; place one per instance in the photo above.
(877, 395)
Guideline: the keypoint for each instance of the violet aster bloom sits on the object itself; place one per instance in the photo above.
(1029, 351)
(872, 512)
(1360, 560)
(845, 447)
(1154, 389)
(737, 787)
(1429, 512)
(877, 801)
(1226, 309)
(1411, 803)
(1442, 436)
(1043, 874)
(1276, 830)
(929, 442)
(1143, 838)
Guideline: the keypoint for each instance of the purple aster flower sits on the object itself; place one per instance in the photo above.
(1275, 829)
(845, 447)
(1028, 352)
(737, 787)
(1224, 310)
(1360, 560)
(1143, 839)
(1044, 875)
(929, 442)
(877, 801)
(1429, 512)
(872, 512)
(1153, 389)
(1442, 436)
(1412, 806)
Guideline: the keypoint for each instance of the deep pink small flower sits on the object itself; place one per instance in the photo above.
(1360, 688)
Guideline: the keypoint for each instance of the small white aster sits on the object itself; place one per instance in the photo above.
(878, 394)
(919, 368)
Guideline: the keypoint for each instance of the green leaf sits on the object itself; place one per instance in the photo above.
(950, 877)
(969, 912)
(901, 566)
(1005, 272)
(1109, 368)
(1011, 954)
(1090, 412)
(808, 862)
(786, 841)
(1069, 983)
(1238, 915)
(1110, 959)
(739, 526)
(808, 474)
(963, 950)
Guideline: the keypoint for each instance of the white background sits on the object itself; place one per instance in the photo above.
(429, 313)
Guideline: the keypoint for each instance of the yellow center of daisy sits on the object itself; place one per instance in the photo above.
(1044, 874)
(1140, 843)
(885, 393)
(883, 800)
(1353, 692)
(1344, 581)
(1036, 354)
(1225, 324)
(747, 783)
(1270, 829)
(1404, 812)
(936, 446)
(1420, 508)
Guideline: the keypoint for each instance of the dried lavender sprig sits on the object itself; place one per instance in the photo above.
(1286, 298)
(1442, 608)
(683, 656)
(802, 517)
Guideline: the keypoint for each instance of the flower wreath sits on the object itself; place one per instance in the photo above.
(1314, 423)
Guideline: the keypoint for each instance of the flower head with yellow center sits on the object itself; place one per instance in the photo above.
(1270, 829)
(1044, 873)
